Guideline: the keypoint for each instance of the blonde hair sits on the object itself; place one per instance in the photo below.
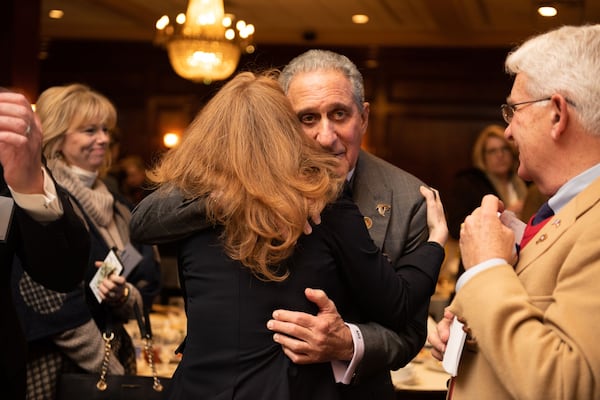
(62, 108)
(563, 60)
(478, 155)
(262, 176)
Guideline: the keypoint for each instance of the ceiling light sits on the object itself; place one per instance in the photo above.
(56, 14)
(204, 44)
(547, 11)
(170, 139)
(360, 18)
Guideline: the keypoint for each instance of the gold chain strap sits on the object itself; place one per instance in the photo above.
(157, 386)
(101, 385)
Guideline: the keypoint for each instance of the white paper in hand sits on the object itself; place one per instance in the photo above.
(111, 265)
(509, 219)
(454, 347)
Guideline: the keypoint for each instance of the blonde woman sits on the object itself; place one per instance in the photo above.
(65, 331)
(495, 162)
(257, 177)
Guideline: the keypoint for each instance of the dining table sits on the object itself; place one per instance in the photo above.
(422, 379)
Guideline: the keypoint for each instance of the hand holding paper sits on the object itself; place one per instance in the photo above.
(111, 265)
(454, 347)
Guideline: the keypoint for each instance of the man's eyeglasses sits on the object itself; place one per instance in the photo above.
(509, 110)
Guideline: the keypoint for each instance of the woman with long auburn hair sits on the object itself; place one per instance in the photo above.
(246, 161)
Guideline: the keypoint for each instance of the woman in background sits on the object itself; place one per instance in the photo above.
(64, 331)
(495, 162)
(494, 171)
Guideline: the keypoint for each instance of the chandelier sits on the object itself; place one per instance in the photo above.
(204, 44)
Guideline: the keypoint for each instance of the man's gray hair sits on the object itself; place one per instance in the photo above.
(323, 60)
(564, 61)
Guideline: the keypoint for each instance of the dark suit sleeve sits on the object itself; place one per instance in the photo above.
(387, 349)
(54, 254)
(385, 295)
(418, 232)
(166, 216)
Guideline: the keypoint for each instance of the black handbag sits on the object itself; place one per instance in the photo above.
(88, 386)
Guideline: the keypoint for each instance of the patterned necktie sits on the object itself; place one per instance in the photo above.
(536, 223)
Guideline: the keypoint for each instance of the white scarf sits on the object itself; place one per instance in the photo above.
(85, 186)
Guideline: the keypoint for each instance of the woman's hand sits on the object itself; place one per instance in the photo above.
(438, 338)
(113, 289)
(436, 219)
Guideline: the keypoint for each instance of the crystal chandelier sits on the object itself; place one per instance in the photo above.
(204, 44)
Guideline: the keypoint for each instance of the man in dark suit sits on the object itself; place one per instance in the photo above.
(326, 91)
(37, 224)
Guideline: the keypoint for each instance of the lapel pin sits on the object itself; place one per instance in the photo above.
(368, 222)
(541, 239)
(383, 208)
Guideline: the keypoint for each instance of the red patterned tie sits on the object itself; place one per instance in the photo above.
(536, 223)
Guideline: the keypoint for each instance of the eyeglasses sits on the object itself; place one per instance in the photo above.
(509, 110)
(497, 150)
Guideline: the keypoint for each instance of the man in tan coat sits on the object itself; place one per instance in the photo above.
(533, 329)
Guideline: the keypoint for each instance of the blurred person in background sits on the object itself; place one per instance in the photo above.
(64, 331)
(133, 184)
(494, 171)
(38, 227)
(112, 175)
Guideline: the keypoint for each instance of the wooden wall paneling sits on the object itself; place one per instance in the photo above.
(433, 149)
(168, 114)
(19, 46)
(429, 105)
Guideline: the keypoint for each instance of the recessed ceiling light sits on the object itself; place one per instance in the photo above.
(56, 14)
(547, 11)
(360, 18)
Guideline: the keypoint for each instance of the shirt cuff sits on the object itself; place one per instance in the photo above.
(471, 272)
(344, 371)
(41, 207)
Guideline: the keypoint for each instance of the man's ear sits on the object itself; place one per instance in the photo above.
(364, 116)
(561, 115)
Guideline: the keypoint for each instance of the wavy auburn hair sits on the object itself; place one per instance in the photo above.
(262, 176)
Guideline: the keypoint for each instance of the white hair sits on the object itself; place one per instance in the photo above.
(564, 61)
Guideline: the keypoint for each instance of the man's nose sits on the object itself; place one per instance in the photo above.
(508, 133)
(326, 134)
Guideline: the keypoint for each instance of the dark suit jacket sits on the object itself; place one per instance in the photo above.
(53, 254)
(230, 354)
(390, 198)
